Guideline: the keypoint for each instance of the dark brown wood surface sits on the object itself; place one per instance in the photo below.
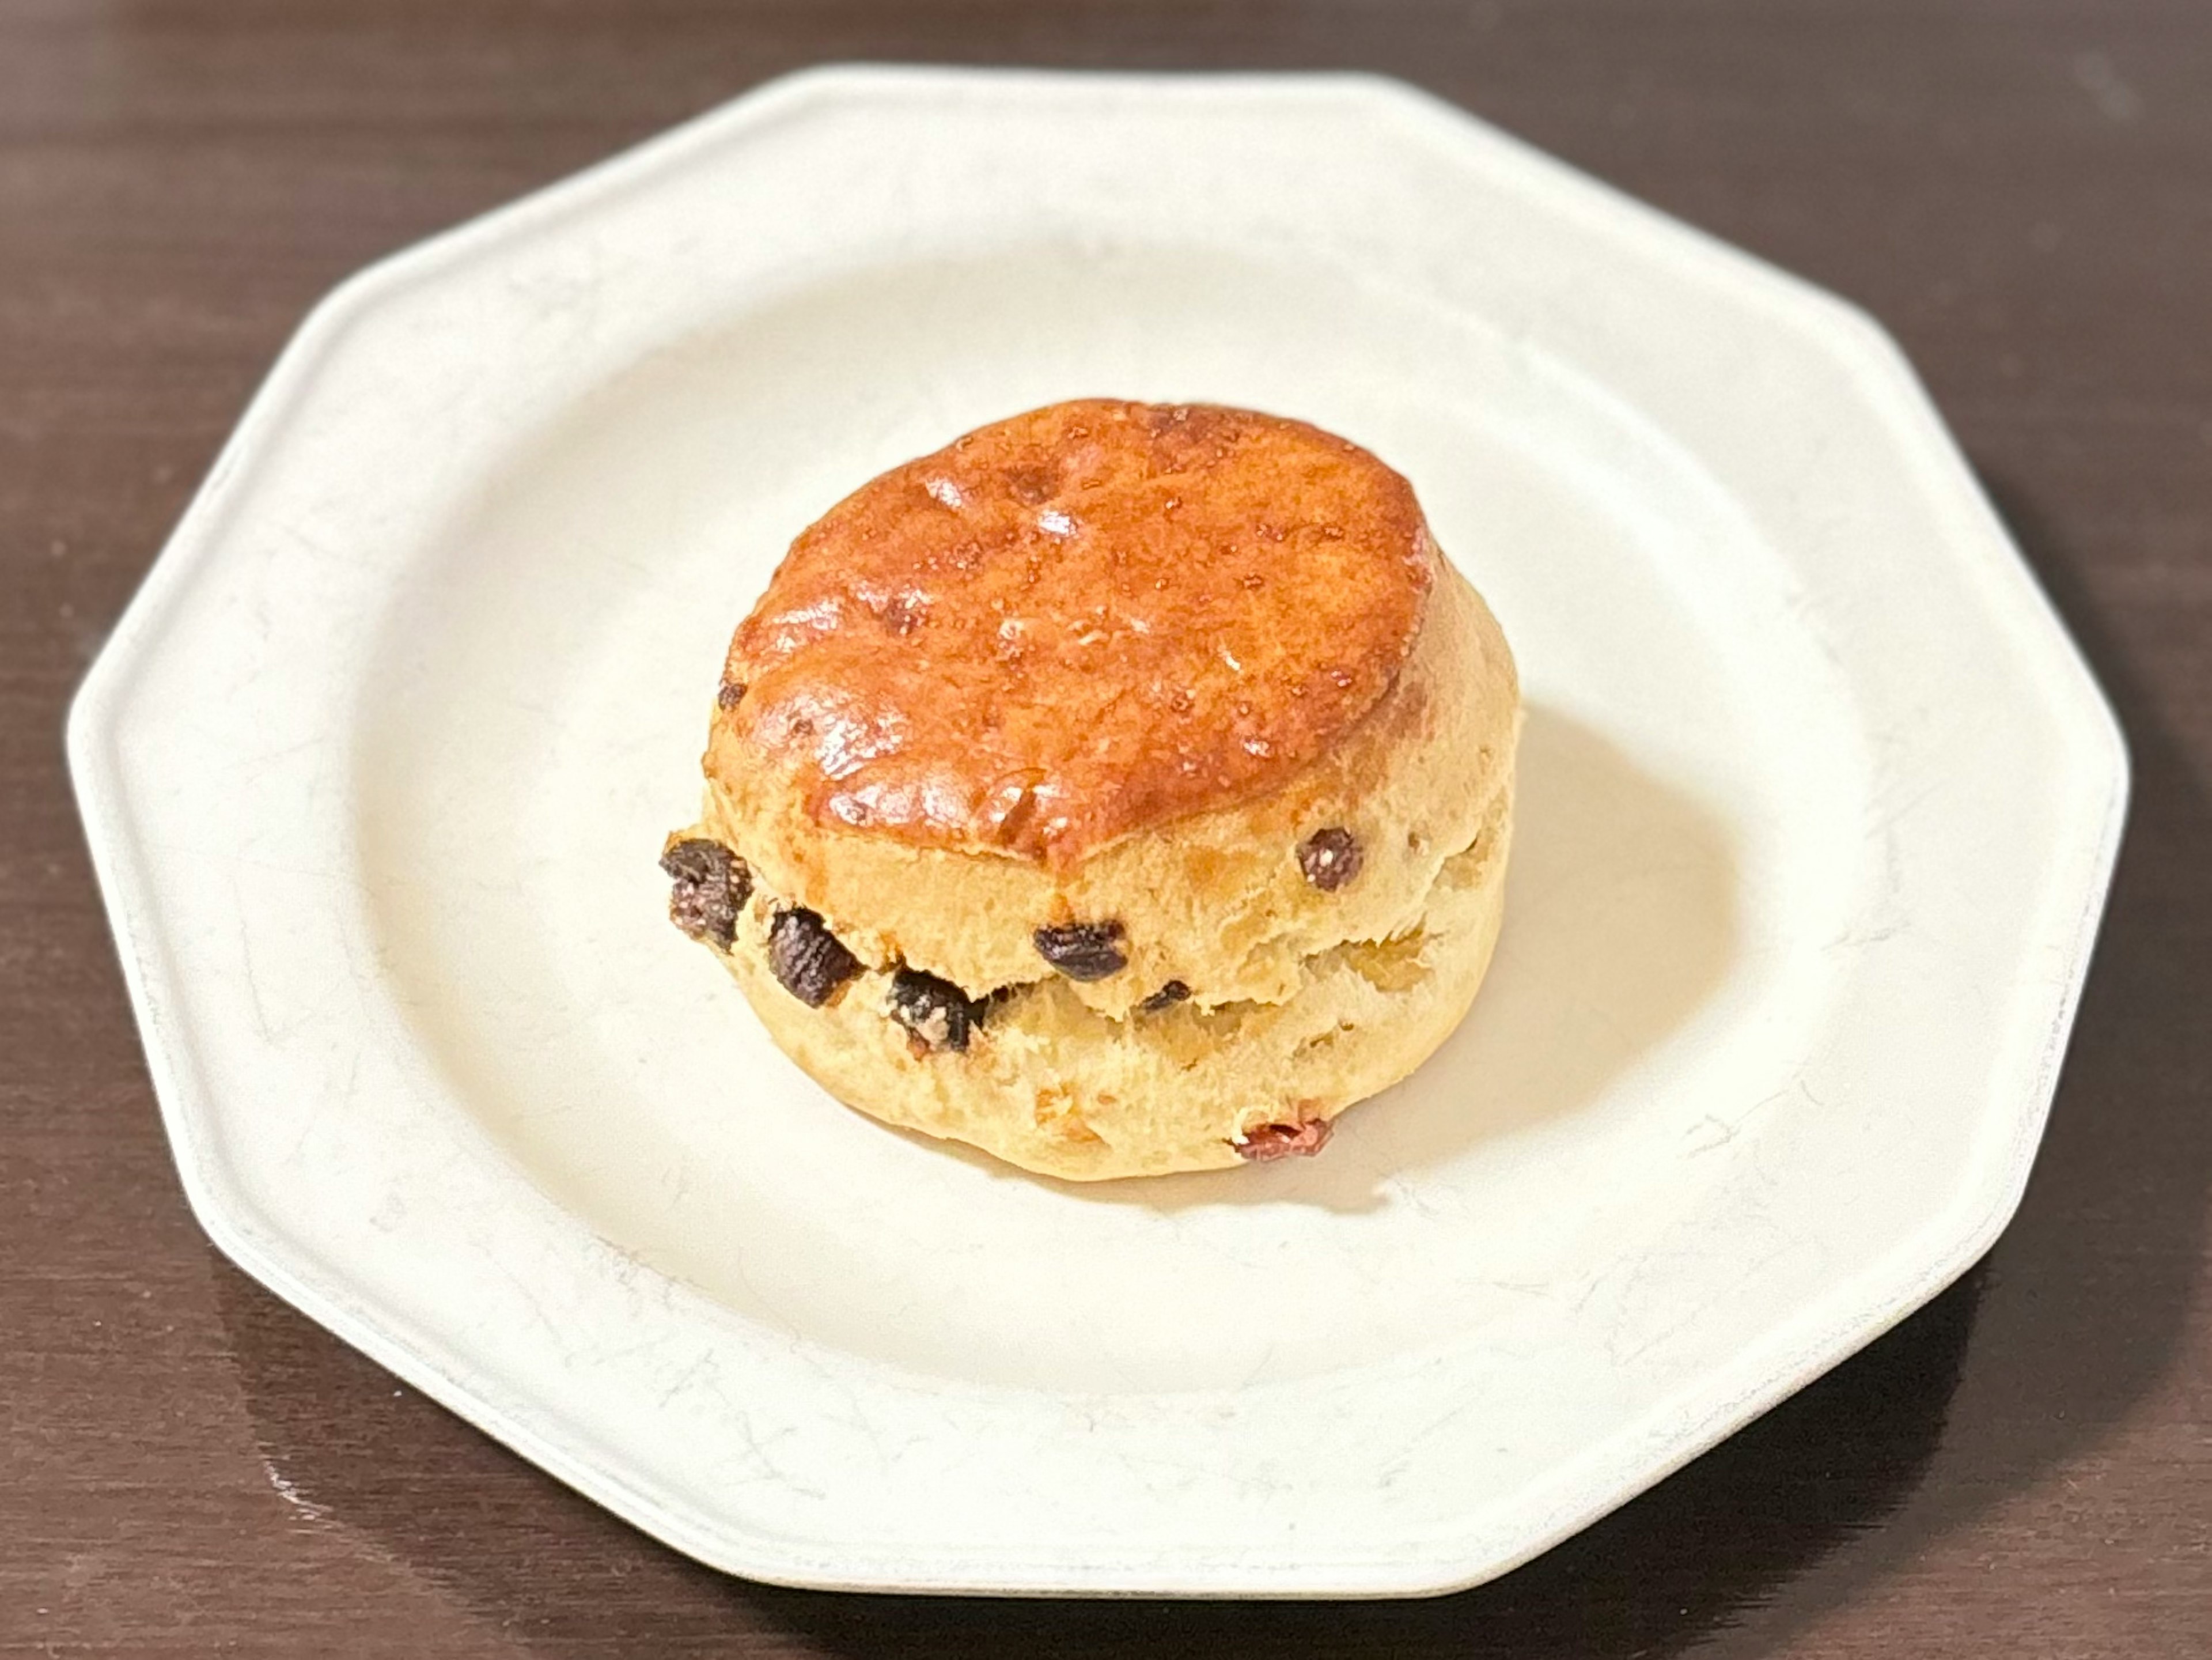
(2023, 191)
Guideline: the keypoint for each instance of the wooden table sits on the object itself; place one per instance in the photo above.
(2022, 192)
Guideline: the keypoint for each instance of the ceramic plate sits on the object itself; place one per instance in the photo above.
(1818, 807)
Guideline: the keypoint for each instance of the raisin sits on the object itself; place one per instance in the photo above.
(1165, 998)
(935, 1011)
(712, 885)
(807, 957)
(1330, 858)
(1084, 951)
(1268, 1142)
(729, 694)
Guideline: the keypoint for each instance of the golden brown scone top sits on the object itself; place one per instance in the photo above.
(1078, 622)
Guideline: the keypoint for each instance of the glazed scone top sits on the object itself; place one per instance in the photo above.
(1079, 622)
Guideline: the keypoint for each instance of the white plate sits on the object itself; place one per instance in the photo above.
(1819, 807)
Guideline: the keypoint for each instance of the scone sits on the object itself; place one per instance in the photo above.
(1121, 789)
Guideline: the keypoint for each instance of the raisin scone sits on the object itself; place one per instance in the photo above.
(1123, 788)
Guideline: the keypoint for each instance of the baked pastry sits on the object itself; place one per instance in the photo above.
(1121, 789)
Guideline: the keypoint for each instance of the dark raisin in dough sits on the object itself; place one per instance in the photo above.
(807, 957)
(729, 694)
(1165, 998)
(1330, 858)
(935, 1011)
(712, 885)
(1084, 951)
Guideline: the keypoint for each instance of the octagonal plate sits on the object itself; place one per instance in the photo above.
(1818, 810)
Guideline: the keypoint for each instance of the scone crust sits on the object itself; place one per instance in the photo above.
(1077, 623)
(1188, 686)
